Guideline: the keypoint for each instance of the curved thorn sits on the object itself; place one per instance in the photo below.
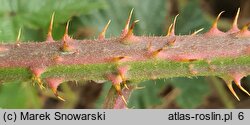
(214, 31)
(40, 83)
(36, 76)
(172, 32)
(128, 21)
(36, 79)
(196, 32)
(122, 72)
(56, 94)
(125, 85)
(117, 87)
(66, 33)
(244, 90)
(116, 80)
(229, 85)
(67, 28)
(130, 32)
(53, 84)
(124, 100)
(235, 22)
(49, 35)
(238, 83)
(169, 29)
(59, 97)
(103, 33)
(215, 23)
(244, 32)
(124, 81)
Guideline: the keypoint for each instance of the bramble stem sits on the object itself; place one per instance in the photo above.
(93, 59)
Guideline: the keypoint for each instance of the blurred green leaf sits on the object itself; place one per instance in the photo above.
(16, 95)
(191, 18)
(149, 96)
(35, 14)
(101, 99)
(147, 11)
(193, 91)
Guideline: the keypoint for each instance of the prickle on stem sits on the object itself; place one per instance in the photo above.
(36, 74)
(230, 87)
(169, 43)
(237, 79)
(171, 29)
(66, 36)
(116, 82)
(196, 32)
(234, 27)
(130, 31)
(50, 30)
(67, 44)
(126, 28)
(128, 37)
(122, 71)
(54, 84)
(214, 31)
(244, 32)
(103, 33)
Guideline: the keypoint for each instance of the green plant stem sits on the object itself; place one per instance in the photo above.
(94, 59)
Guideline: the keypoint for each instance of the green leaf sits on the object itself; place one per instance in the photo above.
(35, 14)
(191, 18)
(193, 91)
(18, 95)
(101, 99)
(147, 11)
(149, 96)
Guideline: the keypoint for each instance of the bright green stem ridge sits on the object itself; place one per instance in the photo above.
(138, 70)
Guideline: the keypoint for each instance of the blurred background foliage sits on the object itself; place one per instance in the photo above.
(88, 17)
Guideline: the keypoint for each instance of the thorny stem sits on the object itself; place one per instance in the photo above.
(190, 56)
(95, 59)
(130, 58)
